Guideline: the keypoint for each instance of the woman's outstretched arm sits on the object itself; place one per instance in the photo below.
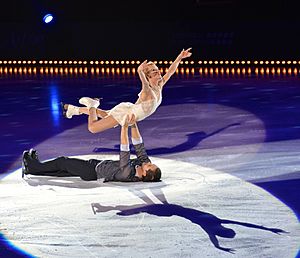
(173, 67)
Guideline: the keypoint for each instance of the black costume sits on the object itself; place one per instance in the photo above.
(93, 169)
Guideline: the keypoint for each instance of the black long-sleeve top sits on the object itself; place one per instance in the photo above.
(124, 168)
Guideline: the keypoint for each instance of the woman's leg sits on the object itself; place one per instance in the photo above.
(96, 126)
(83, 110)
(100, 112)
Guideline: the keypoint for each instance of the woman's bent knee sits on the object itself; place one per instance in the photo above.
(93, 129)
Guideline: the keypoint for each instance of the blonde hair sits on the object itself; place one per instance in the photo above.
(148, 68)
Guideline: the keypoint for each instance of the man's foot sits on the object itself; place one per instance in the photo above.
(25, 157)
(33, 154)
(89, 102)
(69, 110)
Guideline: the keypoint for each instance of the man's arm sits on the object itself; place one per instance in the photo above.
(173, 67)
(135, 134)
(138, 144)
(125, 168)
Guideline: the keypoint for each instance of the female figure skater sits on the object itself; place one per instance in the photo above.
(150, 98)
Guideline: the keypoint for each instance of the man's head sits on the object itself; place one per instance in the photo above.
(151, 173)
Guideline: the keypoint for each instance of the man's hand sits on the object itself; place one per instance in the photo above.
(185, 53)
(130, 120)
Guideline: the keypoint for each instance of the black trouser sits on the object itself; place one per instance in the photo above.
(63, 167)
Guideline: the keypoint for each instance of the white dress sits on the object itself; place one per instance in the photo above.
(141, 109)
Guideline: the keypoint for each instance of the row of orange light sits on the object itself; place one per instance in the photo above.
(138, 62)
(118, 71)
(248, 71)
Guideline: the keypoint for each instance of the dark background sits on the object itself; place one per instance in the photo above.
(149, 29)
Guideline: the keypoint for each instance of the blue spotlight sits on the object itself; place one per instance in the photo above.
(48, 18)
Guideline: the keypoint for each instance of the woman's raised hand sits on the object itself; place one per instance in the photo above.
(142, 66)
(186, 53)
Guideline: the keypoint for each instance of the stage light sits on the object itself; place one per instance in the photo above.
(48, 18)
(295, 71)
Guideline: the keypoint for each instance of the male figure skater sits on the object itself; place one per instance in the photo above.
(124, 169)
